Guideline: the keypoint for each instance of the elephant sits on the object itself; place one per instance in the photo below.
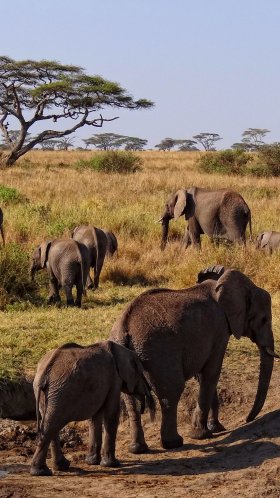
(112, 243)
(217, 213)
(96, 241)
(74, 383)
(1, 226)
(67, 263)
(179, 334)
(270, 241)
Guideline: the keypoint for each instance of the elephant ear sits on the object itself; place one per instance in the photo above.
(44, 252)
(180, 203)
(74, 231)
(233, 291)
(264, 239)
(128, 365)
(212, 272)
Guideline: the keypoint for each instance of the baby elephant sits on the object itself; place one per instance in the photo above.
(67, 263)
(270, 241)
(77, 383)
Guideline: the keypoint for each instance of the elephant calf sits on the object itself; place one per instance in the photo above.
(75, 383)
(67, 263)
(270, 241)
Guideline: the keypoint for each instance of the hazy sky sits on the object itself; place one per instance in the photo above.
(208, 65)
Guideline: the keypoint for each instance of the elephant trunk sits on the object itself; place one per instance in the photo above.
(266, 366)
(165, 226)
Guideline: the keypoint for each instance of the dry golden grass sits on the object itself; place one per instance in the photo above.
(61, 196)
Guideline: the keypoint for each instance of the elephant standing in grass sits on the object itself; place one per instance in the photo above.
(67, 263)
(112, 243)
(96, 241)
(217, 213)
(1, 226)
(270, 241)
(75, 383)
(179, 334)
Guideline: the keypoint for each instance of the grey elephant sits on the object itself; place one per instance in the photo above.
(269, 241)
(112, 243)
(96, 241)
(75, 383)
(1, 226)
(179, 334)
(217, 213)
(67, 263)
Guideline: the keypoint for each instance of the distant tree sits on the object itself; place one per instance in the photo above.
(65, 143)
(105, 141)
(187, 145)
(253, 137)
(241, 146)
(135, 143)
(47, 91)
(49, 144)
(207, 140)
(166, 144)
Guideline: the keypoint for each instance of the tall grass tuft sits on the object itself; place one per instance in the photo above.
(112, 162)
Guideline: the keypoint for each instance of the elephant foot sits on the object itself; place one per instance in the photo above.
(172, 443)
(62, 464)
(199, 433)
(54, 300)
(215, 426)
(138, 448)
(93, 459)
(78, 304)
(40, 471)
(109, 462)
(70, 303)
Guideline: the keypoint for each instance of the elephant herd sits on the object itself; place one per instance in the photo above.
(162, 339)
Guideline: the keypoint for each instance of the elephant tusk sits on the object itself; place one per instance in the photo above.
(159, 221)
(272, 353)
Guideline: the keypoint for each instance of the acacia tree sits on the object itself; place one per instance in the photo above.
(187, 145)
(207, 140)
(38, 91)
(253, 137)
(135, 143)
(105, 141)
(166, 144)
(64, 143)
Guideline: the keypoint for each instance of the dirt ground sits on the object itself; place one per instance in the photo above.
(244, 461)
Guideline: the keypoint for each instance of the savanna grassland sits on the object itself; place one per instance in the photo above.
(53, 196)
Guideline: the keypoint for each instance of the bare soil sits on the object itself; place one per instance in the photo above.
(244, 461)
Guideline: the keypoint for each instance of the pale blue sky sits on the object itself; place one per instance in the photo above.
(208, 65)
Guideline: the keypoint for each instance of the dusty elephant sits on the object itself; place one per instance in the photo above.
(179, 334)
(112, 243)
(217, 213)
(1, 226)
(67, 263)
(75, 383)
(270, 241)
(96, 241)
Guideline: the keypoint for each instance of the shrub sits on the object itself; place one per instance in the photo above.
(112, 162)
(225, 162)
(267, 161)
(9, 195)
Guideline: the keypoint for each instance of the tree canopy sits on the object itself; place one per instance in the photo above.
(51, 92)
(207, 140)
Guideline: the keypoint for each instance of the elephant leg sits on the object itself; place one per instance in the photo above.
(214, 425)
(54, 296)
(194, 233)
(98, 268)
(111, 416)
(186, 242)
(169, 434)
(59, 460)
(38, 465)
(138, 443)
(69, 295)
(79, 287)
(95, 440)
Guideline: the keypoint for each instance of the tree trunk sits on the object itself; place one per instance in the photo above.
(8, 159)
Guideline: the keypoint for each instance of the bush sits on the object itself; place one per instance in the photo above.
(267, 161)
(112, 162)
(9, 195)
(225, 162)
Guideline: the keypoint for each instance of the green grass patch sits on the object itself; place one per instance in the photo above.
(112, 162)
(10, 195)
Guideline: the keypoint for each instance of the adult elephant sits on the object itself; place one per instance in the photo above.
(217, 213)
(78, 383)
(1, 226)
(96, 241)
(179, 334)
(67, 263)
(269, 241)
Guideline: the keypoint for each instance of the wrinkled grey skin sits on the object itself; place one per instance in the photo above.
(217, 213)
(67, 263)
(269, 241)
(112, 243)
(75, 383)
(96, 242)
(1, 226)
(179, 334)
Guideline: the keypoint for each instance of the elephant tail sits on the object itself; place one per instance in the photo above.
(81, 263)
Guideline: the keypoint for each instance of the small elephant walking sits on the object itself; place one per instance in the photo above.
(269, 241)
(96, 241)
(217, 213)
(1, 226)
(67, 263)
(75, 383)
(179, 334)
